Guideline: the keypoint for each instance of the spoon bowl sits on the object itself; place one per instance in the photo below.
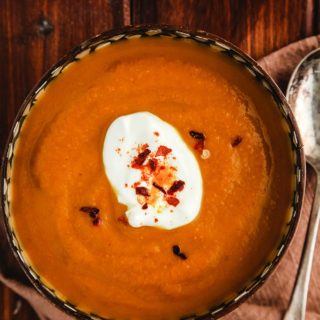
(303, 94)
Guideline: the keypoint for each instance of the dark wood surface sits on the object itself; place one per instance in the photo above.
(34, 34)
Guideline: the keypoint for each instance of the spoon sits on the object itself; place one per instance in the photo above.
(303, 94)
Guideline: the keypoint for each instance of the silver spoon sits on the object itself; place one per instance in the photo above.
(303, 94)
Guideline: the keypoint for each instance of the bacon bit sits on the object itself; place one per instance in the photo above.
(197, 135)
(91, 210)
(163, 151)
(143, 191)
(173, 201)
(177, 185)
(96, 221)
(236, 141)
(156, 133)
(123, 220)
(153, 164)
(156, 220)
(141, 158)
(159, 187)
(176, 251)
(145, 206)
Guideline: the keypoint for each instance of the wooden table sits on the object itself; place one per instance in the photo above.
(34, 34)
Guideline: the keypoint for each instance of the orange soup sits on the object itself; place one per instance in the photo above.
(68, 217)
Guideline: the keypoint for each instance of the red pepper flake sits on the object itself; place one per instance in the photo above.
(141, 158)
(136, 184)
(126, 185)
(159, 187)
(156, 220)
(156, 133)
(200, 137)
(153, 164)
(93, 213)
(236, 141)
(123, 220)
(197, 135)
(199, 145)
(163, 151)
(176, 251)
(143, 191)
(177, 185)
(96, 221)
(91, 210)
(173, 201)
(145, 206)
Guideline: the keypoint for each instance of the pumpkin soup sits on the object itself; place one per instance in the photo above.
(151, 180)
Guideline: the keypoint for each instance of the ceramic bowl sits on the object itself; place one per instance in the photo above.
(114, 36)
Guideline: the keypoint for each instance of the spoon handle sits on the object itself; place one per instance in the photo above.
(298, 303)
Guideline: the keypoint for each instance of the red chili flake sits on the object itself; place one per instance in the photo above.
(236, 141)
(145, 206)
(176, 251)
(197, 135)
(143, 191)
(162, 167)
(200, 137)
(144, 147)
(123, 220)
(96, 221)
(141, 158)
(199, 145)
(177, 185)
(156, 133)
(153, 164)
(126, 185)
(136, 184)
(156, 220)
(159, 187)
(173, 201)
(163, 151)
(91, 210)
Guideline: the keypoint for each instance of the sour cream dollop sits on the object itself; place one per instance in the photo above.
(152, 171)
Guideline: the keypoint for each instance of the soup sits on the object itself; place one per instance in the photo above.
(67, 191)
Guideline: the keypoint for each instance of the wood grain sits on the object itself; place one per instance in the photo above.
(258, 27)
(34, 34)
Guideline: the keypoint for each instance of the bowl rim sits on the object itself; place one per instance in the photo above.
(199, 36)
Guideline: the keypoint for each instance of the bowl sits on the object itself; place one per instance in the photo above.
(207, 39)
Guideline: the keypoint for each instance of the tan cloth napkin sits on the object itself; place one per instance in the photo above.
(269, 302)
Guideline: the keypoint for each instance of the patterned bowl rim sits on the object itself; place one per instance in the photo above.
(203, 37)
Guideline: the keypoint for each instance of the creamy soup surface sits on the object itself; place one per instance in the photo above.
(97, 260)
